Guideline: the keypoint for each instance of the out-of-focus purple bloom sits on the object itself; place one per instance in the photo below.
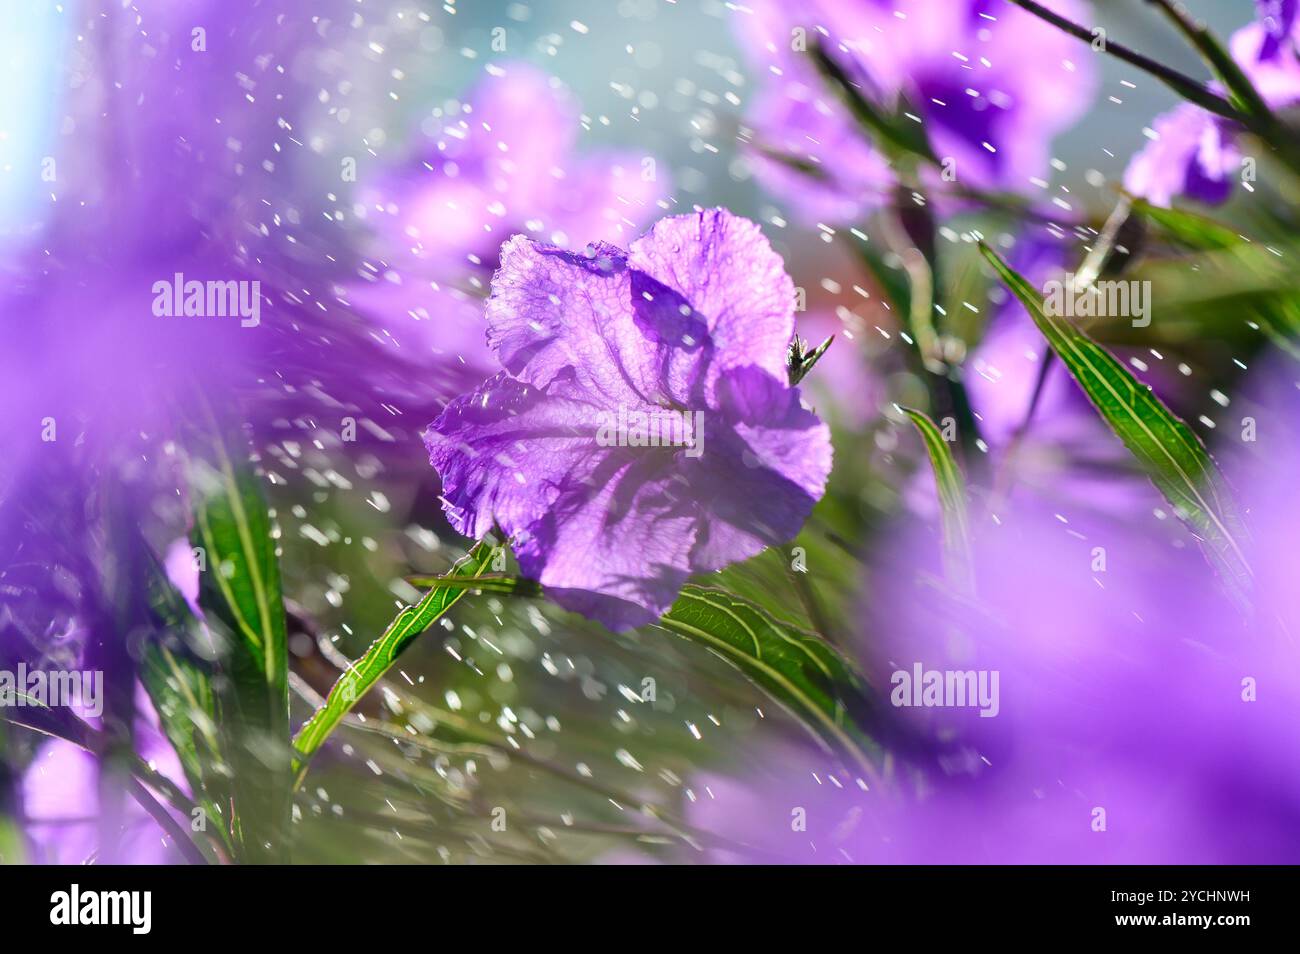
(800, 124)
(1139, 718)
(175, 157)
(691, 324)
(1277, 21)
(61, 799)
(991, 84)
(1266, 52)
(1194, 153)
(507, 164)
(180, 125)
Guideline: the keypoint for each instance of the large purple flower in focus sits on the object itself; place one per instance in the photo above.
(692, 322)
(990, 83)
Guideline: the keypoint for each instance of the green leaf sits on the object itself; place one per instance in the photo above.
(1167, 449)
(243, 606)
(1187, 228)
(177, 669)
(1241, 90)
(242, 579)
(948, 480)
(798, 669)
(383, 652)
(12, 850)
(900, 138)
(511, 585)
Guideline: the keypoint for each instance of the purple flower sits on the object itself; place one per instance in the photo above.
(180, 126)
(1139, 718)
(61, 793)
(175, 156)
(684, 334)
(507, 164)
(1194, 153)
(1277, 20)
(991, 84)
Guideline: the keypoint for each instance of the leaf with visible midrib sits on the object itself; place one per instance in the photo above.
(948, 480)
(1170, 453)
(798, 669)
(242, 602)
(383, 652)
(242, 579)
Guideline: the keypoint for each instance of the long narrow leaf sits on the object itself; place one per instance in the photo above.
(1187, 228)
(511, 585)
(1167, 449)
(243, 607)
(948, 480)
(242, 582)
(798, 669)
(383, 652)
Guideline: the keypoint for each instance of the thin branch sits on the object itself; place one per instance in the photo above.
(1218, 59)
(164, 819)
(1180, 83)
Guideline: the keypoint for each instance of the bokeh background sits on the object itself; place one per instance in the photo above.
(508, 704)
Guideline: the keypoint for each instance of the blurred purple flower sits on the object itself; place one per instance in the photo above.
(61, 794)
(1194, 153)
(175, 154)
(1277, 23)
(991, 84)
(173, 157)
(507, 164)
(1140, 719)
(691, 324)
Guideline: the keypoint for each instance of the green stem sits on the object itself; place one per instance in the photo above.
(1218, 59)
(1180, 83)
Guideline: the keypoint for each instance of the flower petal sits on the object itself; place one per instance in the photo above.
(551, 310)
(723, 266)
(763, 467)
(608, 530)
(505, 451)
(616, 546)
